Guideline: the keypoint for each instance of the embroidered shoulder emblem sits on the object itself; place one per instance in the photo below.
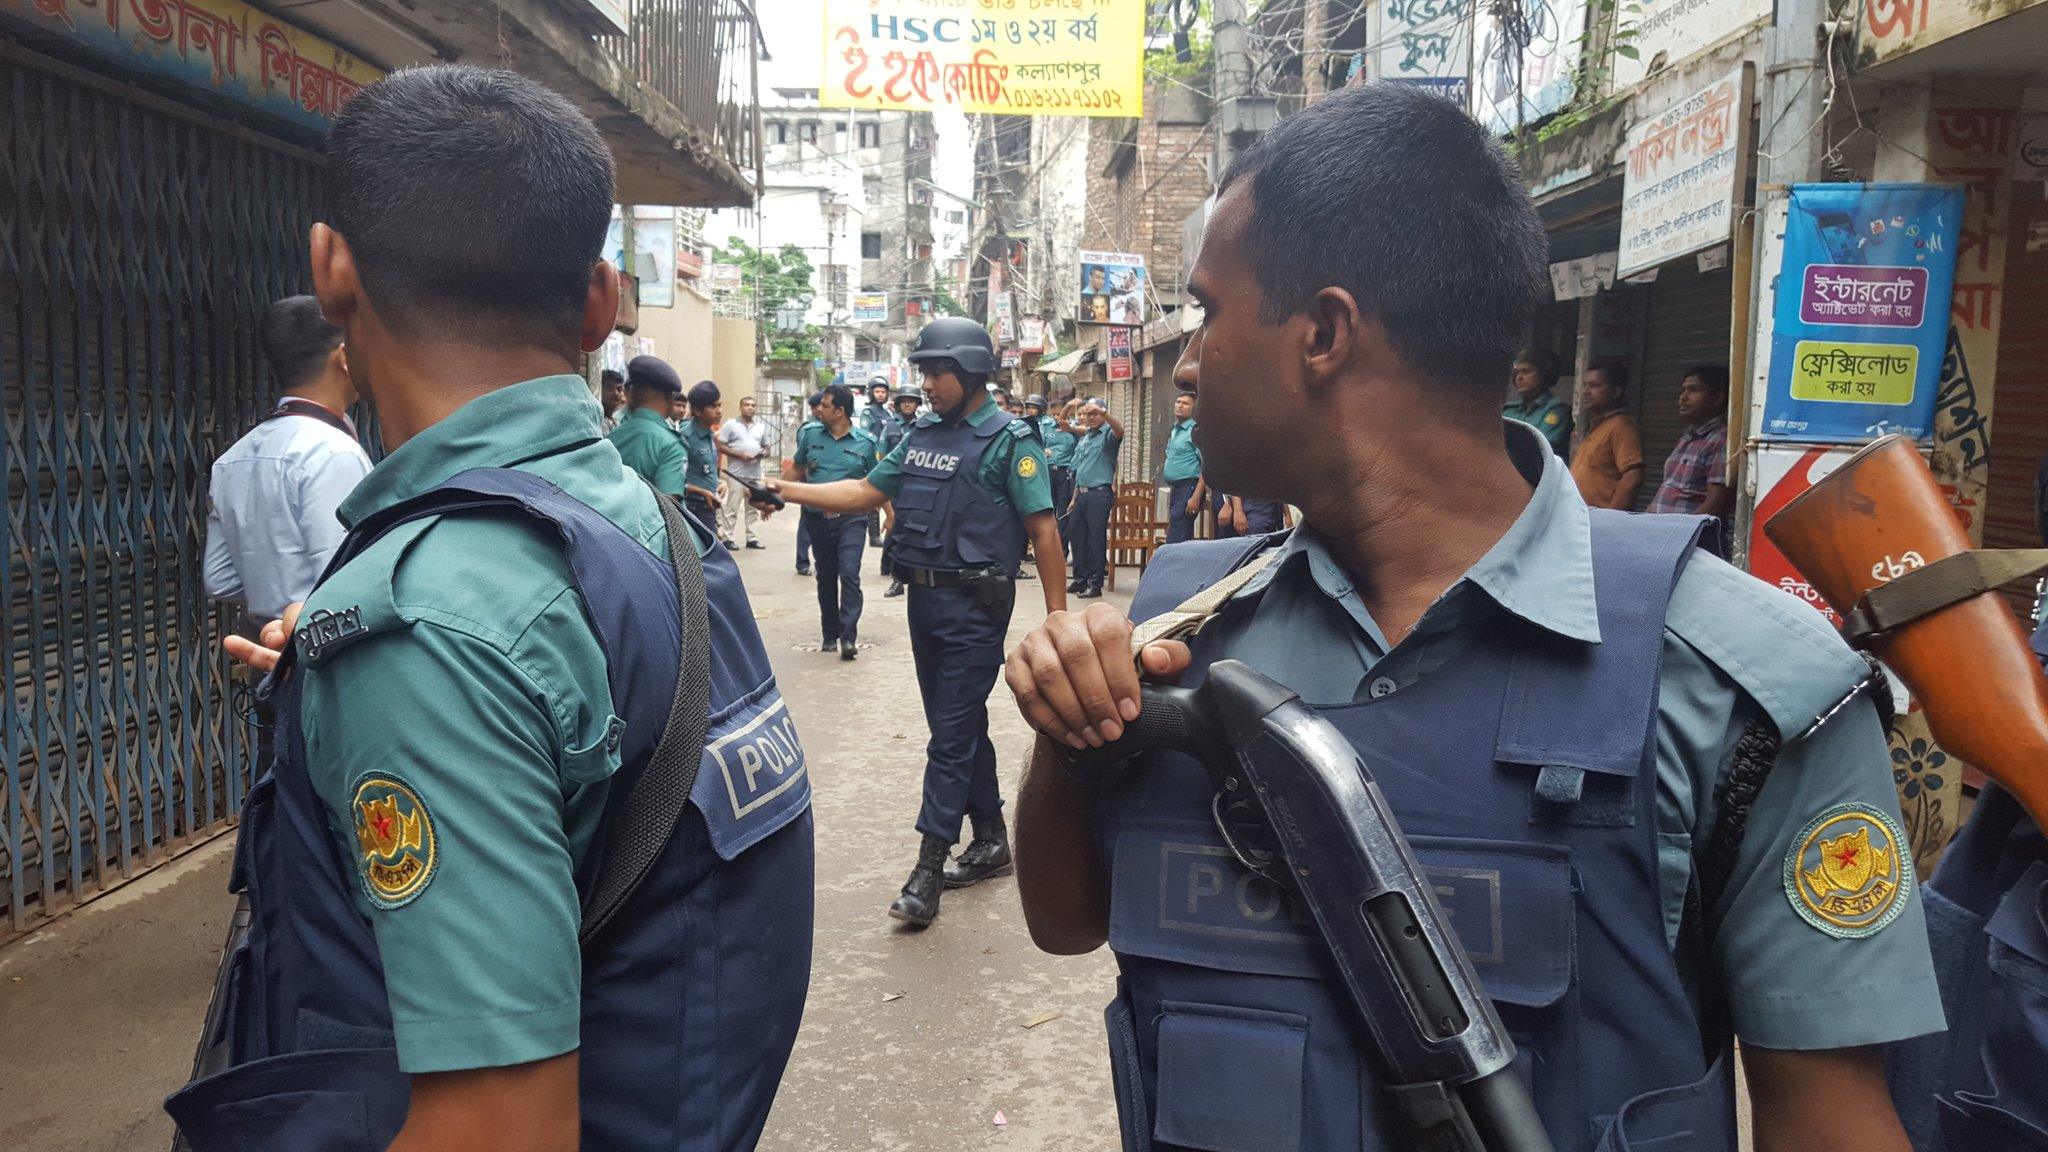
(1027, 466)
(1845, 873)
(323, 630)
(1550, 418)
(395, 850)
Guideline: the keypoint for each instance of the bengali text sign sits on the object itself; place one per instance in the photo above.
(1020, 57)
(1860, 314)
(220, 46)
(1684, 175)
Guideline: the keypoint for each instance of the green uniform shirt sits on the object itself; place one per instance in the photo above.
(1095, 457)
(649, 446)
(476, 692)
(1183, 459)
(1547, 414)
(825, 458)
(701, 444)
(1734, 648)
(1013, 469)
(1059, 443)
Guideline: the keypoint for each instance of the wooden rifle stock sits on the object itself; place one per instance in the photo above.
(1969, 666)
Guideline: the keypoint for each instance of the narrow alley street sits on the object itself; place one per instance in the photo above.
(911, 1040)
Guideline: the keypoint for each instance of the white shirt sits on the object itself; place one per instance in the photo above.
(271, 523)
(740, 436)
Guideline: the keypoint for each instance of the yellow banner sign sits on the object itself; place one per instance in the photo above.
(1019, 57)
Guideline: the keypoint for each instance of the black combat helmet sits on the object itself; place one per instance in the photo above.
(958, 339)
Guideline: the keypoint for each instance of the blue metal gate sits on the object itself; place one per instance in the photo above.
(139, 242)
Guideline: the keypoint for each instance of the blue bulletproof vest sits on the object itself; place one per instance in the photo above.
(691, 993)
(1522, 772)
(944, 517)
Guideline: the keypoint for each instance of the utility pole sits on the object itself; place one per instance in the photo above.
(1312, 79)
(1240, 117)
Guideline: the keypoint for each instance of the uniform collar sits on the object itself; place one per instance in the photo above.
(536, 418)
(1541, 569)
(984, 412)
(1187, 425)
(647, 414)
(1543, 398)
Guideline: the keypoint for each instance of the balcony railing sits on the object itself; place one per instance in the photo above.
(701, 56)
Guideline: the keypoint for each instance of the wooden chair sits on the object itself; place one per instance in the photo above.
(1135, 529)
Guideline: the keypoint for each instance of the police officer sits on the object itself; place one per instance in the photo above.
(1182, 472)
(703, 490)
(1058, 439)
(803, 533)
(467, 711)
(969, 487)
(1095, 453)
(878, 422)
(904, 408)
(833, 449)
(1535, 401)
(643, 438)
(1605, 742)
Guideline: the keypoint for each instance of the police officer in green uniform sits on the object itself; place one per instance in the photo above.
(467, 707)
(1536, 404)
(904, 408)
(969, 486)
(833, 449)
(1182, 472)
(703, 490)
(880, 423)
(1059, 456)
(643, 437)
(1095, 454)
(1657, 803)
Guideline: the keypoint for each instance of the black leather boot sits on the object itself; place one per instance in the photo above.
(919, 903)
(988, 854)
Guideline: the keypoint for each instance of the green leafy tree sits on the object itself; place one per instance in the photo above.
(776, 277)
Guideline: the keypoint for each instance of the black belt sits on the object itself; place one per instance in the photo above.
(946, 577)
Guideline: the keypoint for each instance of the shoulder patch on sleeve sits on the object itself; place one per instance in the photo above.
(1778, 650)
(396, 853)
(1027, 465)
(1550, 419)
(1845, 873)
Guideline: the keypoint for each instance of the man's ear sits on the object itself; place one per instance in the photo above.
(1336, 333)
(335, 282)
(600, 306)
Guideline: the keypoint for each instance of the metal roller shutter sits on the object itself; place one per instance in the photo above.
(2019, 404)
(1687, 324)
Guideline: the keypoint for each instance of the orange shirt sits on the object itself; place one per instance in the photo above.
(1613, 445)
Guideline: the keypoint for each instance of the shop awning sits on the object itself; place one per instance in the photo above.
(1067, 363)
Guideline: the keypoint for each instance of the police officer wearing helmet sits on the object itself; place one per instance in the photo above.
(969, 485)
(903, 407)
(1059, 454)
(1654, 792)
(877, 421)
(471, 928)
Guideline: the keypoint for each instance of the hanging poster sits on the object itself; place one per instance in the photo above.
(1002, 324)
(654, 255)
(1860, 311)
(1031, 334)
(1119, 354)
(1112, 289)
(870, 308)
(1065, 58)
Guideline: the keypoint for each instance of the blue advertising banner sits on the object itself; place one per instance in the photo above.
(1860, 312)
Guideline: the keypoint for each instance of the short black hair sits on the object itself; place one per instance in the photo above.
(1546, 363)
(296, 341)
(611, 376)
(704, 394)
(839, 394)
(473, 195)
(1616, 372)
(1714, 376)
(1395, 195)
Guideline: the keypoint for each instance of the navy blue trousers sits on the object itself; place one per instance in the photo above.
(958, 648)
(1180, 525)
(837, 542)
(1062, 491)
(803, 541)
(1091, 534)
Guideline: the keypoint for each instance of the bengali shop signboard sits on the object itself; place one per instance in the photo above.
(1119, 354)
(1683, 183)
(1044, 58)
(870, 308)
(1861, 310)
(1421, 42)
(223, 47)
(1783, 474)
(1513, 86)
(1675, 30)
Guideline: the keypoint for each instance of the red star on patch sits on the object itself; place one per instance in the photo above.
(1846, 857)
(383, 824)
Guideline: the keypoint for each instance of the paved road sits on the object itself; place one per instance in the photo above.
(910, 1040)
